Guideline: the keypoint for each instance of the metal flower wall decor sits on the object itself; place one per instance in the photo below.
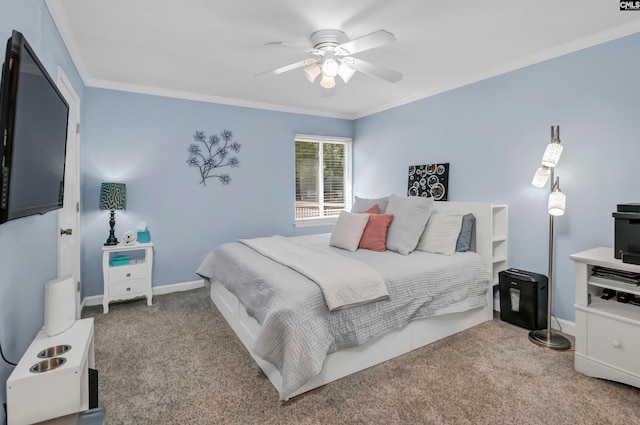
(209, 154)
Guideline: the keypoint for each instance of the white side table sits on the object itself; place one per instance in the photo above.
(35, 395)
(607, 331)
(132, 280)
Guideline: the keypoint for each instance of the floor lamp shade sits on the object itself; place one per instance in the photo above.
(113, 196)
(557, 201)
(541, 177)
(552, 154)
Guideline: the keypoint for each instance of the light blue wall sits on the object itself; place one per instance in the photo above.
(28, 245)
(142, 141)
(493, 134)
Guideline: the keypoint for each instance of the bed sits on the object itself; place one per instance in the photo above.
(301, 342)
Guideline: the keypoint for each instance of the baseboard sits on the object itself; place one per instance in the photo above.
(557, 324)
(157, 290)
(178, 287)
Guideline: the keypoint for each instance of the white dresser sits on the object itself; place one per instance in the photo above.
(607, 343)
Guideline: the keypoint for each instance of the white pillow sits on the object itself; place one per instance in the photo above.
(410, 215)
(441, 234)
(363, 204)
(348, 230)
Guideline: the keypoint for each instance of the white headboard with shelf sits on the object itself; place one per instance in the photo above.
(489, 237)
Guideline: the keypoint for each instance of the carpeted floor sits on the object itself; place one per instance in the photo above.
(177, 362)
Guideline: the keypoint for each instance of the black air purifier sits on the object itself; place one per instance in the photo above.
(523, 298)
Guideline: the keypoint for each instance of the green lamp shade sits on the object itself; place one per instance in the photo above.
(113, 196)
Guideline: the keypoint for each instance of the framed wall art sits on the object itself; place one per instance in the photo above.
(430, 180)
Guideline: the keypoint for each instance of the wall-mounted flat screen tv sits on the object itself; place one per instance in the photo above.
(33, 126)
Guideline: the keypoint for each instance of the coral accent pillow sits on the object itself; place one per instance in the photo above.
(374, 236)
(373, 210)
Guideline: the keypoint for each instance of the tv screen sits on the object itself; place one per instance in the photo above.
(33, 122)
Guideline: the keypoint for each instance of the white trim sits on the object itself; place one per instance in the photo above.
(315, 222)
(157, 290)
(301, 137)
(56, 10)
(178, 287)
(199, 97)
(567, 326)
(57, 13)
(71, 96)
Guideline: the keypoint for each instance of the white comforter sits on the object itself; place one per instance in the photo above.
(297, 328)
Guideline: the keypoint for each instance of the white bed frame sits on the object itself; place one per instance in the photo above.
(393, 344)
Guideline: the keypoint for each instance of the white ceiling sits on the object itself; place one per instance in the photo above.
(211, 49)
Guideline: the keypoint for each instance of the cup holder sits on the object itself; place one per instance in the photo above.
(54, 351)
(47, 365)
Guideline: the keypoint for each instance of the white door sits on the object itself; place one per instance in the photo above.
(69, 215)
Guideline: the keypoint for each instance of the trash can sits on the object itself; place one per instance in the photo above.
(523, 298)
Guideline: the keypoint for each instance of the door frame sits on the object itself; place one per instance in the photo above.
(70, 95)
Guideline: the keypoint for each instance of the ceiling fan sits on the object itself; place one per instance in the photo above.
(331, 56)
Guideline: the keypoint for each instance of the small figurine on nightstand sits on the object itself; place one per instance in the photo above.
(129, 238)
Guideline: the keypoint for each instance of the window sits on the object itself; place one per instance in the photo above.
(323, 178)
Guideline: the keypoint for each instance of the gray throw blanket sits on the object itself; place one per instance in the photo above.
(344, 282)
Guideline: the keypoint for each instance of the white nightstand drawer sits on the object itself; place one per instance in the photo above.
(614, 342)
(120, 273)
(128, 288)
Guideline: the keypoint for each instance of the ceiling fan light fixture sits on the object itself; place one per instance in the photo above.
(345, 72)
(312, 72)
(325, 92)
(331, 56)
(327, 82)
(330, 67)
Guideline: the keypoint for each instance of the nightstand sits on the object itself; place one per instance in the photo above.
(607, 331)
(126, 280)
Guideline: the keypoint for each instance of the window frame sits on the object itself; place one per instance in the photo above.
(348, 177)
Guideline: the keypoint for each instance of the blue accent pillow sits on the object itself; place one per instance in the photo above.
(464, 238)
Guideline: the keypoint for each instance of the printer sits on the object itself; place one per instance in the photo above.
(627, 233)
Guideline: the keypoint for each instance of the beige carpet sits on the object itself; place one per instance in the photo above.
(177, 362)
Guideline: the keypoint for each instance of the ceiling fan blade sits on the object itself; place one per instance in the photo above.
(286, 45)
(366, 42)
(375, 70)
(292, 66)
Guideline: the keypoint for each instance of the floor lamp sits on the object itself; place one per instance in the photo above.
(546, 337)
